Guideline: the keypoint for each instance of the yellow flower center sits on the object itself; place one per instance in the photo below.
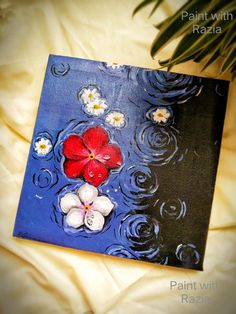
(96, 106)
(42, 146)
(160, 114)
(91, 156)
(117, 119)
(87, 207)
(90, 95)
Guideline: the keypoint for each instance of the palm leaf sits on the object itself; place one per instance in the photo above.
(229, 37)
(197, 46)
(155, 7)
(229, 60)
(162, 23)
(142, 5)
(207, 50)
(201, 43)
(191, 38)
(176, 25)
(212, 59)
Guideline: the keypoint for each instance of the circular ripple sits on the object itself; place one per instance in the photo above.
(60, 69)
(139, 233)
(154, 144)
(168, 88)
(120, 251)
(45, 179)
(187, 254)
(219, 90)
(173, 209)
(137, 182)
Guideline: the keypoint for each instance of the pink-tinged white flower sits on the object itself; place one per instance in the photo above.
(113, 65)
(161, 115)
(116, 119)
(89, 94)
(86, 207)
(43, 146)
(96, 107)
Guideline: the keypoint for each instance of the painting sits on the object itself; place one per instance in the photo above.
(123, 161)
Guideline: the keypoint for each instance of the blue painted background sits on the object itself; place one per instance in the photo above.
(163, 191)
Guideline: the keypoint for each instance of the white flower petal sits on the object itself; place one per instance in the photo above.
(94, 220)
(161, 115)
(37, 145)
(87, 193)
(96, 107)
(43, 146)
(113, 65)
(69, 201)
(167, 115)
(89, 94)
(75, 218)
(45, 141)
(116, 119)
(103, 205)
(164, 119)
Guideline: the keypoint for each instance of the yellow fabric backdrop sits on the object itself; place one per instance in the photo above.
(41, 278)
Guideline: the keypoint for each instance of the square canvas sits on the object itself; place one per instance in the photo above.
(123, 161)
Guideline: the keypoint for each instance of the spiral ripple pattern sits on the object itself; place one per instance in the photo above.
(155, 145)
(138, 182)
(165, 88)
(60, 69)
(139, 233)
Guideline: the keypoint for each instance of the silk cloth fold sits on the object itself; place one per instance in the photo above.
(37, 277)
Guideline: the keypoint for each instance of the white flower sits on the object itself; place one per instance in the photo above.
(161, 115)
(116, 119)
(89, 94)
(69, 201)
(43, 146)
(113, 65)
(86, 207)
(96, 107)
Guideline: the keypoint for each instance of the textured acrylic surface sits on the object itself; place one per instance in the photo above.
(167, 128)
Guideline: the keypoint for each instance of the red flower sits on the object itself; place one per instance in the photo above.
(90, 156)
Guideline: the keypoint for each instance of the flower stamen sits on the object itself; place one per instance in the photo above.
(87, 207)
(96, 106)
(91, 156)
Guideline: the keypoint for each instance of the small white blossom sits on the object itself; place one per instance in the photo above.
(89, 94)
(43, 146)
(161, 115)
(86, 207)
(113, 65)
(116, 119)
(96, 107)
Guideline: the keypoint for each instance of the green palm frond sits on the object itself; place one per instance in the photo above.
(213, 37)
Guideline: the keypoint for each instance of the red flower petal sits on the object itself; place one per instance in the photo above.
(95, 138)
(95, 172)
(74, 168)
(110, 156)
(74, 148)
